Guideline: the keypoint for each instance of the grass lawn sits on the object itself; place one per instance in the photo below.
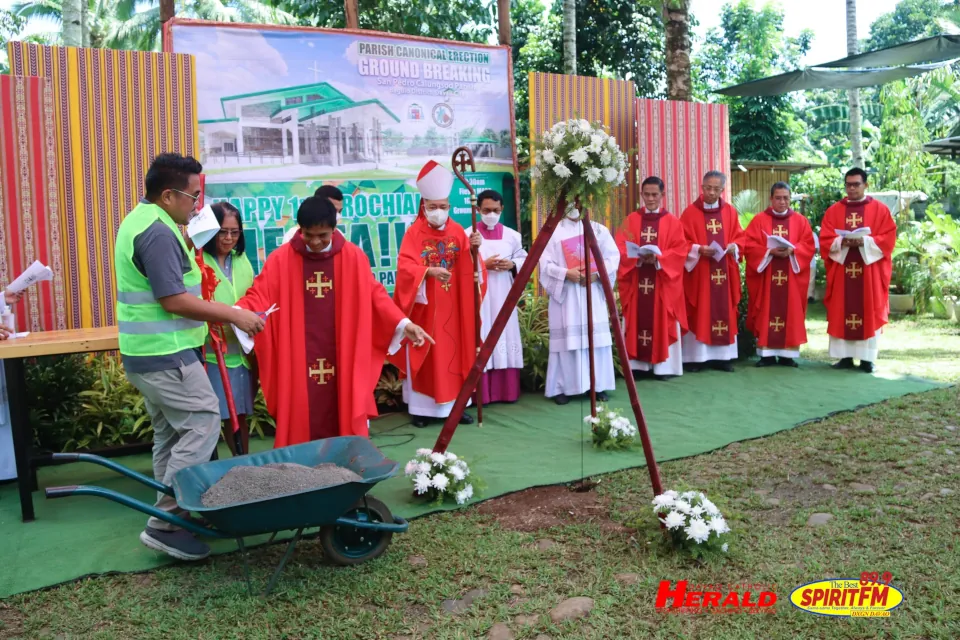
(516, 563)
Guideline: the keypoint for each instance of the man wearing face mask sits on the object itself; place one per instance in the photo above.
(503, 254)
(322, 351)
(331, 193)
(435, 289)
(565, 276)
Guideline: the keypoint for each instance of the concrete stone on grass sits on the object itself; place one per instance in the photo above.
(819, 519)
(571, 609)
(500, 631)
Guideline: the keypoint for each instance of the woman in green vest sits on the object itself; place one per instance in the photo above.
(225, 254)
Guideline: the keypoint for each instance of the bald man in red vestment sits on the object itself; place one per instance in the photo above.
(322, 350)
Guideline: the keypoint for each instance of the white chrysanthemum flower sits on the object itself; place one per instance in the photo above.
(559, 137)
(709, 507)
(595, 420)
(612, 144)
(673, 494)
(605, 157)
(597, 139)
(609, 174)
(579, 156)
(423, 467)
(549, 157)
(725, 547)
(422, 483)
(411, 468)
(536, 173)
(682, 506)
(718, 524)
(457, 473)
(621, 176)
(440, 481)
(438, 459)
(698, 530)
(662, 501)
(697, 511)
(562, 171)
(584, 125)
(424, 452)
(688, 495)
(469, 490)
(462, 497)
(674, 520)
(611, 415)
(593, 175)
(450, 457)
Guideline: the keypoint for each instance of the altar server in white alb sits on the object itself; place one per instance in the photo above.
(503, 254)
(8, 465)
(564, 276)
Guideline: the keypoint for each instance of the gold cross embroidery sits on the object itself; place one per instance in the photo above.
(718, 277)
(720, 328)
(319, 372)
(648, 234)
(777, 324)
(714, 227)
(854, 270)
(319, 283)
(646, 285)
(780, 231)
(854, 322)
(780, 277)
(645, 337)
(854, 220)
(446, 286)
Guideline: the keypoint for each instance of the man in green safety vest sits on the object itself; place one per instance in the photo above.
(162, 325)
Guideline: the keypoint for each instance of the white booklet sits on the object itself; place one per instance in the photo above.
(776, 242)
(636, 251)
(35, 273)
(719, 252)
(862, 232)
(246, 342)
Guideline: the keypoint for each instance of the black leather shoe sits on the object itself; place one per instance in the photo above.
(787, 362)
(602, 396)
(466, 418)
(419, 421)
(769, 361)
(561, 399)
(722, 365)
(866, 367)
(845, 363)
(693, 367)
(662, 378)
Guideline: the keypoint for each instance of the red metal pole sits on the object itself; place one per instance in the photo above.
(585, 222)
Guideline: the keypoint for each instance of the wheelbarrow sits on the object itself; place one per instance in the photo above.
(354, 527)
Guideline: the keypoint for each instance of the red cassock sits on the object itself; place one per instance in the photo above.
(712, 288)
(858, 298)
(651, 298)
(321, 353)
(778, 297)
(449, 317)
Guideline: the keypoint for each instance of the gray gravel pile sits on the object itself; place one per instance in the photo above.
(246, 483)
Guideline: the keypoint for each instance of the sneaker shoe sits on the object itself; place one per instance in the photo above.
(844, 363)
(179, 544)
(866, 367)
(768, 361)
(787, 362)
(561, 399)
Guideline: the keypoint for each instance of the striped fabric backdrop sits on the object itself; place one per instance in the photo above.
(30, 213)
(679, 142)
(113, 111)
(554, 98)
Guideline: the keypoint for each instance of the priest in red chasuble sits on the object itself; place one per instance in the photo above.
(322, 350)
(779, 247)
(857, 235)
(434, 288)
(650, 280)
(711, 281)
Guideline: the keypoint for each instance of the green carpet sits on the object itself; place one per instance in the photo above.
(531, 443)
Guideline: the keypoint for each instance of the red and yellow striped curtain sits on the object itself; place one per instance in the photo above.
(679, 142)
(555, 98)
(113, 111)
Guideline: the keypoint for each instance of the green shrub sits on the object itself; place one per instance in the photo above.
(535, 336)
(54, 385)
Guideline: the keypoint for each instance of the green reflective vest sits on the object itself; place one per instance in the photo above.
(228, 293)
(145, 328)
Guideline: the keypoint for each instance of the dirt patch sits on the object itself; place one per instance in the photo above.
(11, 622)
(544, 507)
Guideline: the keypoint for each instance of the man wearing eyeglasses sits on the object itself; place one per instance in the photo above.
(162, 326)
(858, 234)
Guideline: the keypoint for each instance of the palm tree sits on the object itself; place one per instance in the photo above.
(570, 37)
(853, 95)
(676, 24)
(71, 28)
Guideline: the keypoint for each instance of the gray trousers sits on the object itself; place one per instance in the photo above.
(186, 425)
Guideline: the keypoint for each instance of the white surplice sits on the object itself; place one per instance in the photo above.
(8, 464)
(508, 354)
(568, 369)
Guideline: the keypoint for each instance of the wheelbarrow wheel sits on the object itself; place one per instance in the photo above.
(345, 545)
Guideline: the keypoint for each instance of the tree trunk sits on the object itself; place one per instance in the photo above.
(167, 10)
(853, 95)
(676, 24)
(85, 22)
(72, 30)
(503, 20)
(352, 12)
(570, 37)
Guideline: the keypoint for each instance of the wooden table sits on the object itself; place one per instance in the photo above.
(12, 352)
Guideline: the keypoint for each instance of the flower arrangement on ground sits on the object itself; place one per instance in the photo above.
(693, 522)
(441, 476)
(578, 160)
(611, 431)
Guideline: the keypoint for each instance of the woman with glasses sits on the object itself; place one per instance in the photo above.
(224, 253)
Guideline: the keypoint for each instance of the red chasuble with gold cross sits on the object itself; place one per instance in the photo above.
(858, 298)
(777, 309)
(651, 298)
(712, 288)
(449, 316)
(321, 353)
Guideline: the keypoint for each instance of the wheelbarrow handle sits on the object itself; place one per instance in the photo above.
(133, 503)
(399, 524)
(119, 468)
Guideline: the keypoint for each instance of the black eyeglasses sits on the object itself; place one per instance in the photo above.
(229, 233)
(853, 185)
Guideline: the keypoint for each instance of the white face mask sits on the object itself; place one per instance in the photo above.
(490, 219)
(573, 213)
(438, 217)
